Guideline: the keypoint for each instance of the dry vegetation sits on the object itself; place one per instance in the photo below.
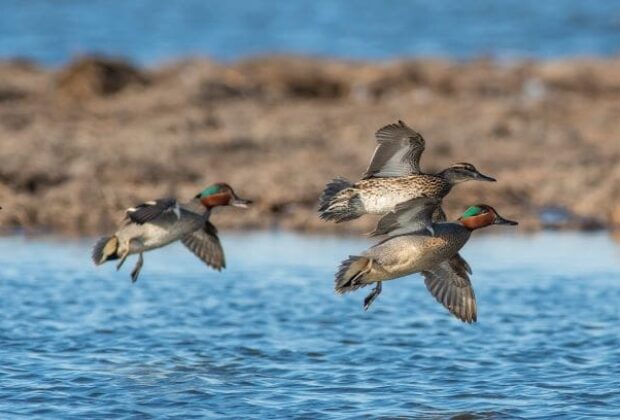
(81, 143)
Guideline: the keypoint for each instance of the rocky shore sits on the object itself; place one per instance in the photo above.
(81, 143)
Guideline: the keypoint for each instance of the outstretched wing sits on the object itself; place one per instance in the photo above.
(452, 288)
(205, 244)
(409, 216)
(458, 264)
(151, 210)
(398, 152)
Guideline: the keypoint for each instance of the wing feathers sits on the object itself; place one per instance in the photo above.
(452, 288)
(409, 216)
(151, 210)
(397, 153)
(205, 244)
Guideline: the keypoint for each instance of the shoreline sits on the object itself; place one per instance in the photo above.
(36, 236)
(82, 142)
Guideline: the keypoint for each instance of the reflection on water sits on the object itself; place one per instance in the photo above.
(269, 337)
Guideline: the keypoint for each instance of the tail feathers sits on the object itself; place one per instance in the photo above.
(339, 204)
(105, 250)
(351, 274)
(330, 191)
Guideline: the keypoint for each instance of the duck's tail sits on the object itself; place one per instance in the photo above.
(351, 274)
(105, 250)
(339, 202)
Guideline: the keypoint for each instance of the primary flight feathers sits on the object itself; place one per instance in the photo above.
(397, 153)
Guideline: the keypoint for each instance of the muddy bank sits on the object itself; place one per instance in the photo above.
(79, 144)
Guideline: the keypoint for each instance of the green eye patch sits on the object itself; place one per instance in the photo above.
(213, 189)
(472, 211)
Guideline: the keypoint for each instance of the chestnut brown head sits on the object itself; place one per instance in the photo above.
(221, 194)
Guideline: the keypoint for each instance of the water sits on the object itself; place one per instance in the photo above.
(149, 31)
(268, 337)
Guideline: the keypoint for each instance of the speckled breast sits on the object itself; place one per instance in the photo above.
(381, 195)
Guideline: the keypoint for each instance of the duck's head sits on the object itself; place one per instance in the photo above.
(482, 215)
(460, 172)
(221, 194)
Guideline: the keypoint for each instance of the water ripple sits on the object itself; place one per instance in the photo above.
(269, 338)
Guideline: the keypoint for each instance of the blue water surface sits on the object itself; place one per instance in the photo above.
(267, 337)
(150, 31)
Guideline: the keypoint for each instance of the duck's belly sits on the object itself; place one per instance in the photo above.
(377, 203)
(140, 238)
(156, 236)
(409, 254)
(381, 195)
(405, 255)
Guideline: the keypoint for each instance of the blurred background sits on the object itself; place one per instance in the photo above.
(107, 103)
(294, 92)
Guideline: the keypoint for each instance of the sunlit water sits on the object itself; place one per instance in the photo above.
(268, 337)
(149, 31)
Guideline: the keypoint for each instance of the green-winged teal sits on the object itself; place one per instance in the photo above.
(414, 248)
(157, 223)
(394, 176)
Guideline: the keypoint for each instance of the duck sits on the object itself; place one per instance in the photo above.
(157, 223)
(418, 245)
(393, 176)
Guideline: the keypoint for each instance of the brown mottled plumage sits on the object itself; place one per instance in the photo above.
(392, 177)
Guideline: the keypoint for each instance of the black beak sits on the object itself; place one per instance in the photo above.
(499, 220)
(240, 202)
(482, 177)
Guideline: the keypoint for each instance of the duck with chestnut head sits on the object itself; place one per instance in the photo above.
(415, 244)
(157, 223)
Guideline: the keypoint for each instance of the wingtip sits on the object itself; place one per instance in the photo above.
(466, 320)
